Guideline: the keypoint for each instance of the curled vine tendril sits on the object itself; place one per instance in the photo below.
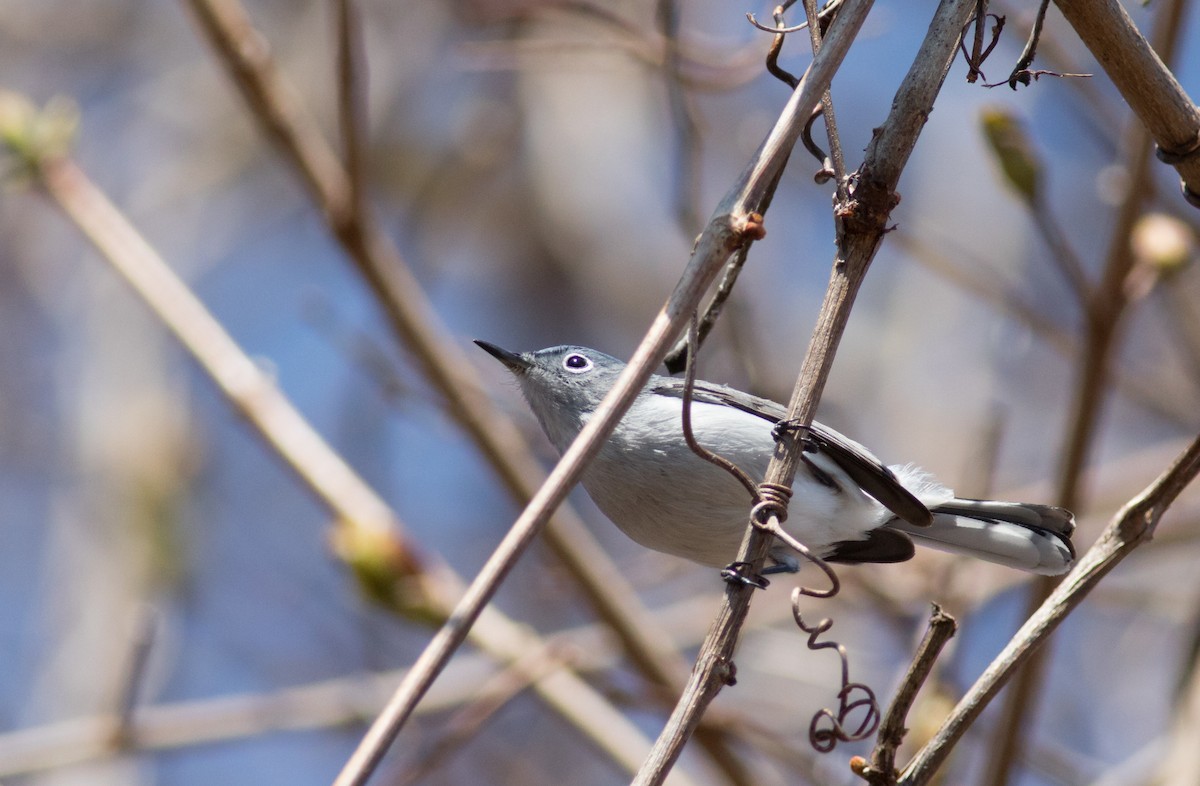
(855, 700)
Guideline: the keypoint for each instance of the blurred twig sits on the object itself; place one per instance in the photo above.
(1134, 525)
(337, 702)
(1179, 765)
(1105, 306)
(245, 386)
(865, 217)
(369, 536)
(683, 115)
(352, 93)
(1025, 173)
(974, 278)
(1151, 90)
(697, 67)
(243, 51)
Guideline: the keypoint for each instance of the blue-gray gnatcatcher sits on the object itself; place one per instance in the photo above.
(847, 506)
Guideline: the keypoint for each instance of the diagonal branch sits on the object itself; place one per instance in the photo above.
(273, 102)
(882, 769)
(864, 221)
(1146, 84)
(1106, 312)
(733, 224)
(367, 529)
(1131, 527)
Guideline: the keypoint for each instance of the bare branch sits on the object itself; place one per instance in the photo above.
(1105, 313)
(352, 109)
(865, 217)
(367, 530)
(1146, 84)
(882, 769)
(1132, 526)
(244, 53)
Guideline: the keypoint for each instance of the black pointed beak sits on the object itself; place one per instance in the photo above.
(514, 362)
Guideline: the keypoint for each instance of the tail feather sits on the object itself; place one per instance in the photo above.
(1035, 538)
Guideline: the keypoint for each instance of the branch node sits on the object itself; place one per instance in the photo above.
(727, 671)
(1178, 155)
(752, 228)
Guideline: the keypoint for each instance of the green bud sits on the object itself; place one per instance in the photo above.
(1011, 147)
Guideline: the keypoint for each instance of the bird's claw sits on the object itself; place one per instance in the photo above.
(742, 573)
(789, 426)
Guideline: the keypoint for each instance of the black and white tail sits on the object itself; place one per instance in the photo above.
(1036, 538)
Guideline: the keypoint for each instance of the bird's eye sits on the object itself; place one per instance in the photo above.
(576, 363)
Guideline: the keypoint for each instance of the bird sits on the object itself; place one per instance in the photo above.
(847, 506)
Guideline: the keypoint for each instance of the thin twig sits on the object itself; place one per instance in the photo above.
(1134, 525)
(837, 159)
(882, 769)
(1062, 253)
(683, 116)
(133, 676)
(865, 217)
(677, 359)
(351, 96)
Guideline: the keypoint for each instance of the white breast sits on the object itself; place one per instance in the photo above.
(662, 495)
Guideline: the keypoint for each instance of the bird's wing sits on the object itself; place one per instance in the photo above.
(871, 474)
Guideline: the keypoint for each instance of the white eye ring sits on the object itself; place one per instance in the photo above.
(576, 363)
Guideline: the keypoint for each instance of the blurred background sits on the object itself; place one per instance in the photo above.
(543, 173)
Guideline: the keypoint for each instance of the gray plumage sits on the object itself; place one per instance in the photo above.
(847, 506)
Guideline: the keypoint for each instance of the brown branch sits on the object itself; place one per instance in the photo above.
(733, 224)
(367, 531)
(351, 96)
(1146, 84)
(864, 218)
(1134, 525)
(882, 769)
(1105, 312)
(243, 51)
